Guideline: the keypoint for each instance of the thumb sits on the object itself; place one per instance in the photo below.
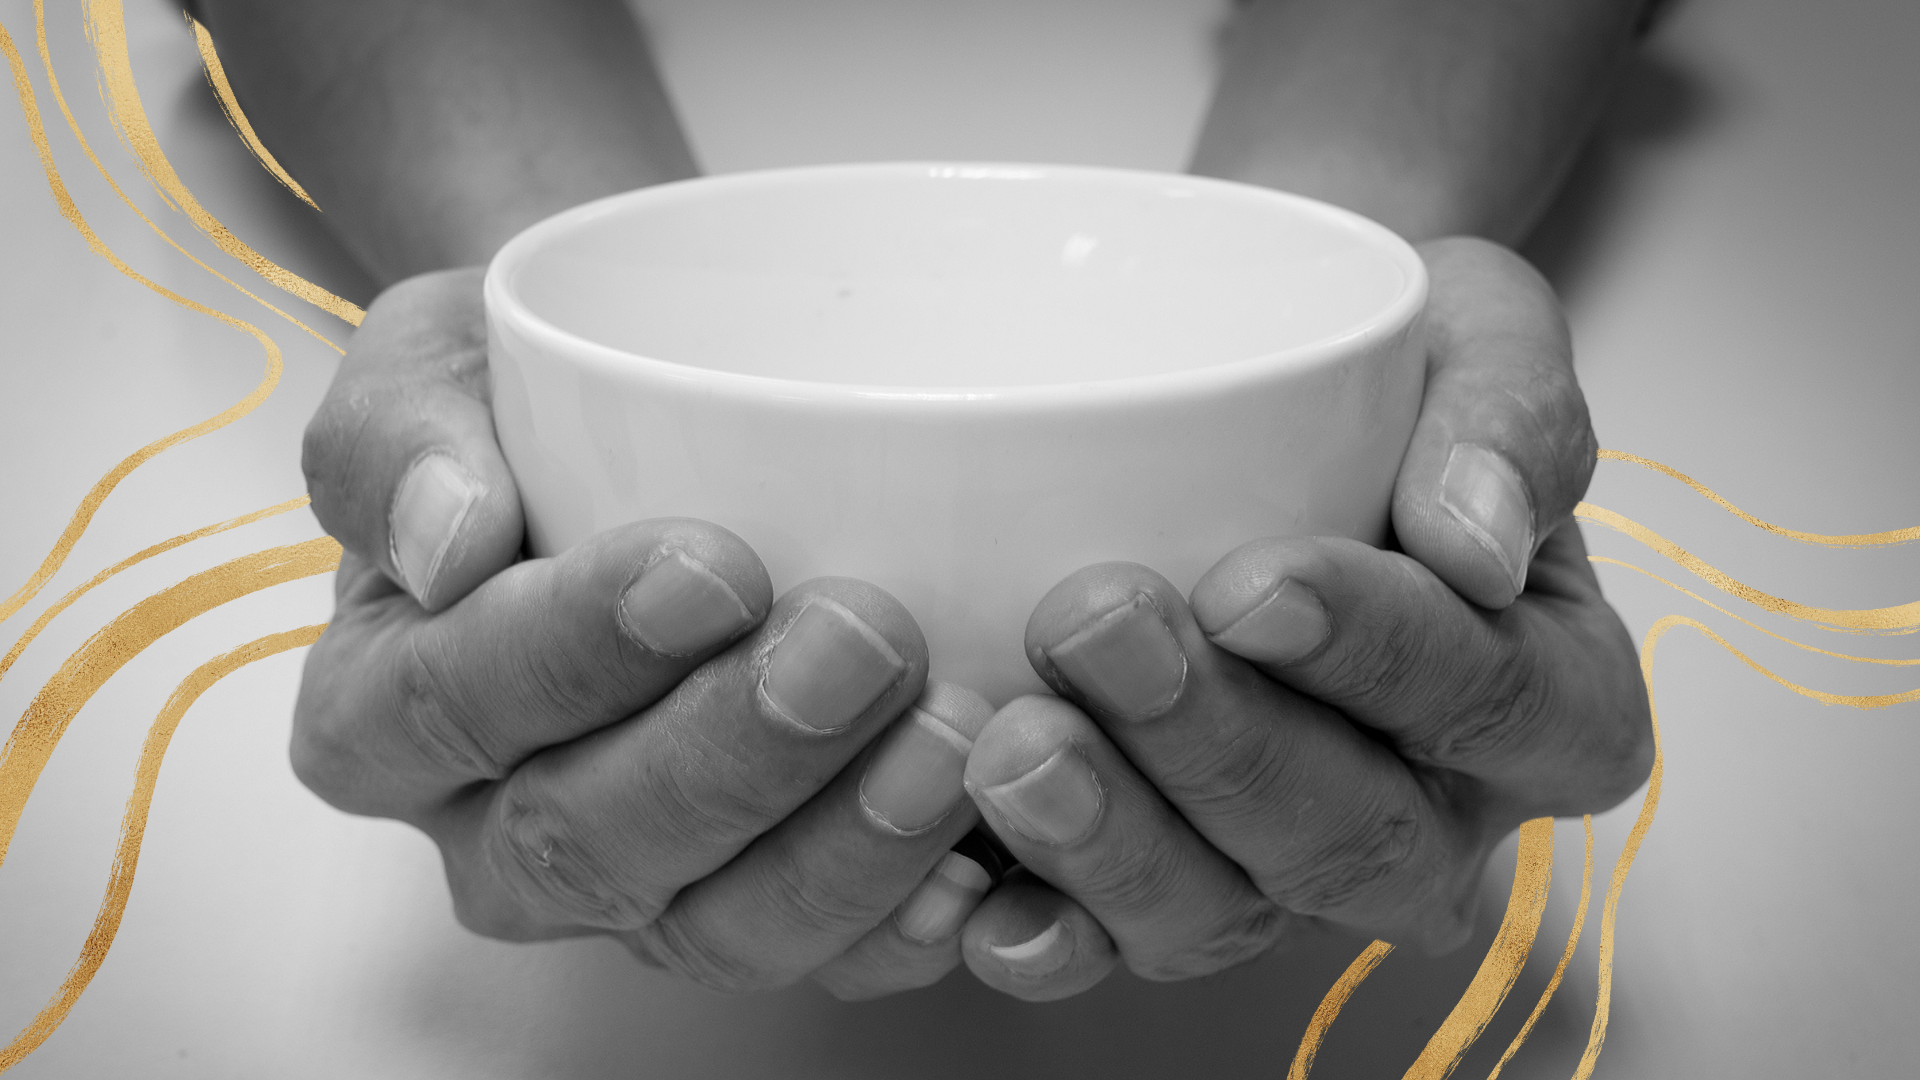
(401, 458)
(1503, 448)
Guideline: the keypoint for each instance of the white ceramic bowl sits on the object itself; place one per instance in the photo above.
(959, 382)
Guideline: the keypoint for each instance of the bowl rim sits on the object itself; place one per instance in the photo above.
(1392, 319)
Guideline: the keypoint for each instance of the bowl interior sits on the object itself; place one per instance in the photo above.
(957, 276)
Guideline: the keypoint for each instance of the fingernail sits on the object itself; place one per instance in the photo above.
(914, 779)
(1484, 492)
(678, 607)
(939, 905)
(828, 668)
(1043, 954)
(1126, 661)
(1285, 626)
(1057, 802)
(432, 501)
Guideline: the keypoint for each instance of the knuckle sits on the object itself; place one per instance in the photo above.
(691, 954)
(1500, 710)
(1346, 871)
(437, 731)
(552, 863)
(1244, 936)
(1233, 781)
(817, 904)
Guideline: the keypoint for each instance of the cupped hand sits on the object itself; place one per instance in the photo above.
(1325, 731)
(633, 737)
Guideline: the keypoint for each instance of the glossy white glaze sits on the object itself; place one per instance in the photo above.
(960, 382)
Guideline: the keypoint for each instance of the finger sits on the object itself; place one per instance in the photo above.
(401, 459)
(399, 708)
(919, 944)
(1503, 448)
(1029, 940)
(1324, 820)
(1530, 700)
(605, 830)
(811, 886)
(1074, 812)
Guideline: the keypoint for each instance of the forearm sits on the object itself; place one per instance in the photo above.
(1436, 117)
(430, 131)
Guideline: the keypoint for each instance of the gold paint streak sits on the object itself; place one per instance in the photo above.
(1750, 622)
(217, 77)
(1532, 873)
(1903, 619)
(1894, 536)
(53, 85)
(106, 27)
(133, 827)
(53, 708)
(1641, 823)
(1330, 1006)
(47, 616)
(1566, 955)
(83, 514)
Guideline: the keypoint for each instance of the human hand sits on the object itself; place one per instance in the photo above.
(1326, 731)
(633, 737)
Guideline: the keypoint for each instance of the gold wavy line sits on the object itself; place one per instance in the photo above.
(1893, 536)
(1330, 1006)
(1731, 615)
(47, 616)
(106, 28)
(1596, 1037)
(53, 85)
(83, 514)
(217, 77)
(52, 709)
(1566, 955)
(1532, 873)
(1902, 619)
(133, 827)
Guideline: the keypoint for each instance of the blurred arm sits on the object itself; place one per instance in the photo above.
(1435, 117)
(431, 131)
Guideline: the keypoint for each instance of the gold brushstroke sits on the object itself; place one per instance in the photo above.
(31, 744)
(1597, 1035)
(133, 827)
(47, 616)
(53, 86)
(106, 28)
(1731, 615)
(1894, 536)
(1330, 1006)
(217, 78)
(90, 503)
(1901, 619)
(1500, 968)
(1566, 955)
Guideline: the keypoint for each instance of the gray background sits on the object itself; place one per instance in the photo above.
(1739, 256)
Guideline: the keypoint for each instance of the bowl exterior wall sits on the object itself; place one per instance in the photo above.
(966, 510)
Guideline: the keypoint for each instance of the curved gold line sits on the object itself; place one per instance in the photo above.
(60, 97)
(1892, 536)
(217, 78)
(47, 616)
(1782, 637)
(1566, 956)
(1500, 968)
(1650, 802)
(1903, 619)
(1330, 1006)
(52, 709)
(107, 28)
(90, 503)
(133, 828)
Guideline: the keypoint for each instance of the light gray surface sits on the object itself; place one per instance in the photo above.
(1740, 259)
